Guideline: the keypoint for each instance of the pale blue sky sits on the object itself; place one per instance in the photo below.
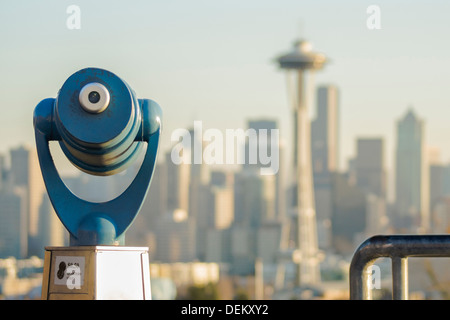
(214, 60)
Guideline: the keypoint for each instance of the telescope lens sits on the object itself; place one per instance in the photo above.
(94, 97)
(103, 131)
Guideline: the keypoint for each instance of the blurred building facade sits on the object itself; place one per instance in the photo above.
(412, 175)
(28, 221)
(230, 219)
(325, 158)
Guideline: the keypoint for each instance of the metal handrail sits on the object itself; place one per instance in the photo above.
(398, 248)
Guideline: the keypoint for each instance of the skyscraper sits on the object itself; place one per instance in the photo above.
(325, 157)
(263, 129)
(25, 172)
(437, 178)
(300, 64)
(349, 214)
(175, 237)
(369, 166)
(325, 131)
(3, 172)
(272, 186)
(219, 218)
(155, 204)
(13, 223)
(222, 205)
(178, 180)
(368, 174)
(436, 183)
(412, 174)
(51, 230)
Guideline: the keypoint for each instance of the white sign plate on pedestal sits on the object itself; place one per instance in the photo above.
(69, 271)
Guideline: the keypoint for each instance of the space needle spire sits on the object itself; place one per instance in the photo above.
(300, 65)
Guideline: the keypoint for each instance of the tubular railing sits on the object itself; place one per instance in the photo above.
(398, 248)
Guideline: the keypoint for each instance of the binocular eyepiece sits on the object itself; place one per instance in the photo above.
(98, 118)
(94, 97)
(101, 127)
(99, 121)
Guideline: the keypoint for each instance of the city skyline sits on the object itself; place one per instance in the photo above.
(229, 64)
(363, 144)
(179, 221)
(367, 172)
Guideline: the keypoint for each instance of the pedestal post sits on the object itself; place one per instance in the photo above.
(96, 273)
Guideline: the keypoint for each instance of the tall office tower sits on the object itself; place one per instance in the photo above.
(3, 172)
(51, 230)
(436, 192)
(220, 217)
(13, 223)
(369, 166)
(265, 146)
(263, 129)
(267, 186)
(155, 204)
(254, 199)
(25, 172)
(199, 172)
(437, 178)
(178, 180)
(175, 228)
(412, 174)
(349, 217)
(325, 157)
(142, 231)
(300, 65)
(377, 221)
(325, 131)
(222, 214)
(254, 214)
(446, 180)
(370, 178)
(199, 190)
(175, 237)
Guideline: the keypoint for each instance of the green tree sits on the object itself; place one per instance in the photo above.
(241, 294)
(206, 292)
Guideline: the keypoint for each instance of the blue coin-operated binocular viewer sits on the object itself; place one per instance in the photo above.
(101, 127)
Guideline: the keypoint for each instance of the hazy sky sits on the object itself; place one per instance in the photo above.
(214, 61)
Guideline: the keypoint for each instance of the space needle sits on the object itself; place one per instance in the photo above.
(300, 65)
